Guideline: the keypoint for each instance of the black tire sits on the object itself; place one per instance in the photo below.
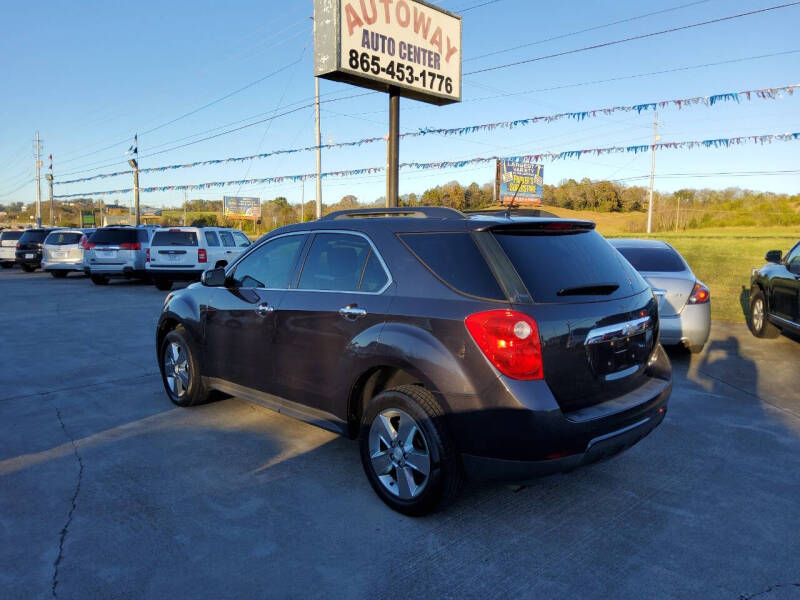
(445, 477)
(99, 280)
(58, 274)
(162, 284)
(6, 265)
(195, 392)
(28, 268)
(761, 327)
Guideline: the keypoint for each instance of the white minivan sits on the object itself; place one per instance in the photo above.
(183, 253)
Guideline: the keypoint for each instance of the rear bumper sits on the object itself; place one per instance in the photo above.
(62, 265)
(175, 274)
(691, 327)
(122, 270)
(523, 433)
(21, 259)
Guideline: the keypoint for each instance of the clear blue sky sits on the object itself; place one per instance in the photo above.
(90, 74)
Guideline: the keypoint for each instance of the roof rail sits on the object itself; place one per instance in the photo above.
(412, 212)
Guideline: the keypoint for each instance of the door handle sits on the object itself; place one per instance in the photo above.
(352, 312)
(264, 309)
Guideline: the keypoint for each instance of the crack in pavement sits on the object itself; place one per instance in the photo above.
(65, 529)
(82, 386)
(771, 588)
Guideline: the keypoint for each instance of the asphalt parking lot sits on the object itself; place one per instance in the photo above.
(107, 490)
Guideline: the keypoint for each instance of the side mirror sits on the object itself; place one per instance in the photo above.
(774, 256)
(213, 277)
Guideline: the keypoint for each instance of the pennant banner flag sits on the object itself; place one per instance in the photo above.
(764, 94)
(457, 164)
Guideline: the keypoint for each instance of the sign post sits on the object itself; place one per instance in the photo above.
(519, 182)
(406, 48)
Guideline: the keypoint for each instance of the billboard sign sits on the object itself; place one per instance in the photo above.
(241, 207)
(87, 218)
(410, 46)
(521, 178)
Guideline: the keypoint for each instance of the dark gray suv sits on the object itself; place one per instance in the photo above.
(453, 347)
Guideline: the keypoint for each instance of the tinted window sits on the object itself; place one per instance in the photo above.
(33, 236)
(653, 259)
(10, 235)
(374, 277)
(565, 267)
(144, 235)
(175, 238)
(227, 239)
(58, 238)
(271, 265)
(241, 239)
(211, 238)
(335, 262)
(455, 258)
(114, 236)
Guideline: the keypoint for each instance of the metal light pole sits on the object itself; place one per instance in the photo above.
(319, 150)
(49, 177)
(652, 175)
(393, 149)
(135, 166)
(38, 148)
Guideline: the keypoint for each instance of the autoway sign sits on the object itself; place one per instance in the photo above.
(409, 45)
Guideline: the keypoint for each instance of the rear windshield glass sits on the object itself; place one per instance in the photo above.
(174, 238)
(570, 267)
(33, 236)
(114, 236)
(10, 235)
(58, 238)
(454, 258)
(653, 259)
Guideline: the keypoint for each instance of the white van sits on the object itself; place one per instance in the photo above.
(183, 253)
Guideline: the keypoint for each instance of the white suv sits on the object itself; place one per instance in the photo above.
(183, 253)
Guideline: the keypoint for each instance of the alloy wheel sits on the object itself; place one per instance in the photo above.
(758, 314)
(176, 369)
(399, 453)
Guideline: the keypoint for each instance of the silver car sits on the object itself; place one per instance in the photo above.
(117, 252)
(8, 246)
(62, 251)
(684, 303)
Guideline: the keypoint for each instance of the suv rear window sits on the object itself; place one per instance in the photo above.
(33, 236)
(569, 267)
(10, 235)
(653, 259)
(58, 238)
(174, 238)
(455, 259)
(114, 236)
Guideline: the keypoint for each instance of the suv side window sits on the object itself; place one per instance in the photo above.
(374, 277)
(271, 265)
(227, 239)
(241, 239)
(794, 256)
(211, 238)
(335, 262)
(144, 235)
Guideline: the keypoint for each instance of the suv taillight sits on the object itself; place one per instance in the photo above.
(700, 294)
(130, 246)
(18, 246)
(147, 255)
(89, 245)
(201, 255)
(510, 340)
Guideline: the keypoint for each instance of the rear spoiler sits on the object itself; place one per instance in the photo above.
(540, 226)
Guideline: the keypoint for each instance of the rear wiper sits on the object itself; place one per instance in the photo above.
(593, 289)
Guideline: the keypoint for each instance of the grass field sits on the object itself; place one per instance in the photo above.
(721, 258)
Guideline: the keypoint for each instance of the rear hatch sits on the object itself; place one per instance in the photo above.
(175, 249)
(30, 243)
(597, 317)
(114, 246)
(63, 246)
(666, 272)
(8, 244)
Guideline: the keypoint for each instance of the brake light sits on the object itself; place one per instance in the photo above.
(147, 256)
(700, 294)
(510, 340)
(130, 246)
(89, 245)
(18, 246)
(201, 255)
(83, 241)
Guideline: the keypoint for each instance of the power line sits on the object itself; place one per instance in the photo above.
(633, 38)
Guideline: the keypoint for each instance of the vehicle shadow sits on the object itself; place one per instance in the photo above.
(744, 303)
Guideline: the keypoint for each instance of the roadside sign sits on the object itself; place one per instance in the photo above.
(521, 178)
(408, 46)
(87, 218)
(241, 207)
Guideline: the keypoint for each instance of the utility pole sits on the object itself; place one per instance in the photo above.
(38, 147)
(319, 150)
(303, 201)
(49, 177)
(393, 149)
(185, 200)
(134, 163)
(677, 212)
(652, 174)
